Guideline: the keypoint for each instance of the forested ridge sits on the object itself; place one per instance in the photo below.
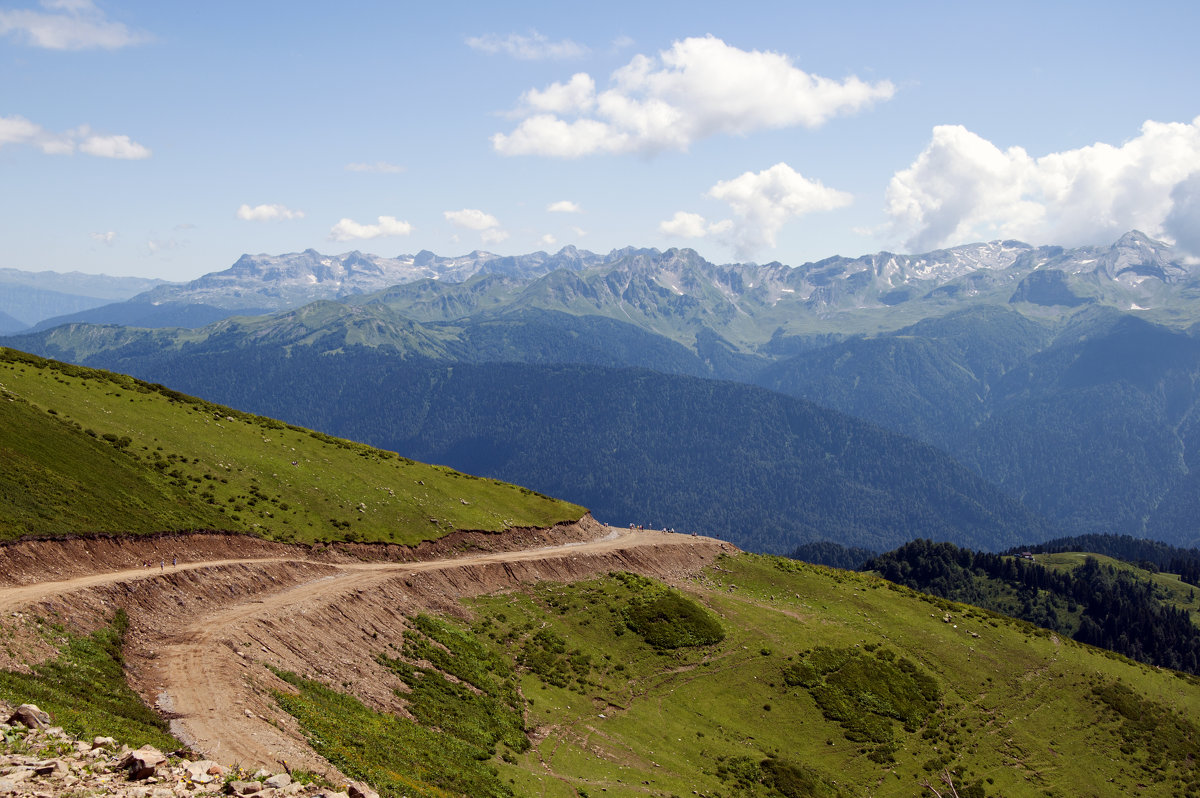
(1150, 555)
(763, 470)
(1093, 603)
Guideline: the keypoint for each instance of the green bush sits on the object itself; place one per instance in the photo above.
(673, 621)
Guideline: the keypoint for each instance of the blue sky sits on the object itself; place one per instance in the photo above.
(166, 139)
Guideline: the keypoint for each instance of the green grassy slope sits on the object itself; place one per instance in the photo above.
(91, 451)
(826, 683)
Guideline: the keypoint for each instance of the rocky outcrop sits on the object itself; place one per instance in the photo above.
(37, 762)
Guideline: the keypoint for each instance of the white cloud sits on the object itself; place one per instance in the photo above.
(19, 130)
(579, 232)
(104, 238)
(699, 88)
(472, 219)
(564, 206)
(114, 147)
(485, 224)
(267, 213)
(68, 25)
(964, 188)
(762, 202)
(548, 240)
(534, 47)
(348, 229)
(685, 225)
(379, 167)
(1183, 221)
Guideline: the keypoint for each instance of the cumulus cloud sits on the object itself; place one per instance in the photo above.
(68, 25)
(1183, 221)
(267, 213)
(548, 240)
(534, 47)
(485, 224)
(564, 206)
(348, 229)
(104, 238)
(379, 167)
(19, 130)
(963, 188)
(699, 88)
(762, 202)
(685, 225)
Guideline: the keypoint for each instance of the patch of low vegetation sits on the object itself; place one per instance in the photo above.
(83, 450)
(773, 777)
(1160, 740)
(865, 691)
(466, 691)
(666, 619)
(85, 691)
(395, 755)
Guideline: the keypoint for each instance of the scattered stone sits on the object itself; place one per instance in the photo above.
(142, 763)
(202, 772)
(39, 763)
(357, 789)
(30, 716)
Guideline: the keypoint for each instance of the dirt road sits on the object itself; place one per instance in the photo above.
(202, 631)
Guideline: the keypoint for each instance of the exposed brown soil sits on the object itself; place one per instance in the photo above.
(202, 632)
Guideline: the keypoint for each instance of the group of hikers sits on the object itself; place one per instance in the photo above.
(162, 564)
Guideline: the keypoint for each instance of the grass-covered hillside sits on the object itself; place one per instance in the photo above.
(776, 678)
(84, 451)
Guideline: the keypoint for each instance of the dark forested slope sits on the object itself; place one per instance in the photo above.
(764, 470)
(1093, 603)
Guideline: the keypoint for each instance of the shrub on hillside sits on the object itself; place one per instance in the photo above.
(673, 621)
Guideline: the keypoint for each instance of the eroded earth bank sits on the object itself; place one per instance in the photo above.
(210, 612)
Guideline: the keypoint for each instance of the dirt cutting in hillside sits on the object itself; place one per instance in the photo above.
(204, 631)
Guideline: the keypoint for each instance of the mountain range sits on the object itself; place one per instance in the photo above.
(1066, 379)
(27, 298)
(678, 293)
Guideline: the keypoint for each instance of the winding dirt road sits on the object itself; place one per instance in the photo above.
(198, 652)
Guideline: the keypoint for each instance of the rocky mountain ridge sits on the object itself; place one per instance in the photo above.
(677, 292)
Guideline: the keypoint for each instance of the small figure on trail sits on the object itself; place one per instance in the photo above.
(162, 565)
(175, 561)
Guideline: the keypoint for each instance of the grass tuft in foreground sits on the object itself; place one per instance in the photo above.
(394, 755)
(85, 691)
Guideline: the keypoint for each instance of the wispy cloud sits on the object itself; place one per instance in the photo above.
(700, 87)
(348, 229)
(104, 238)
(267, 213)
(379, 167)
(533, 47)
(68, 25)
(564, 206)
(19, 130)
(963, 188)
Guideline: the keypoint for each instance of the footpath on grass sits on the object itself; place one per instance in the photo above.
(205, 633)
